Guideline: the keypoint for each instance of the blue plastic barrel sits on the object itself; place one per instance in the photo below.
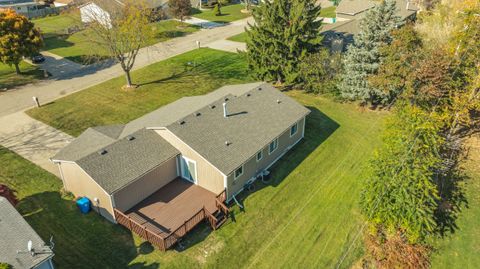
(84, 205)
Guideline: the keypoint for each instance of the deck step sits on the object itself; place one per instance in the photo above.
(220, 222)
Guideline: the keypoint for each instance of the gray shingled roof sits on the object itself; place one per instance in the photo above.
(89, 141)
(184, 106)
(125, 160)
(353, 7)
(15, 234)
(255, 119)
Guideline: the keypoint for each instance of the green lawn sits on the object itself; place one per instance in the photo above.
(77, 47)
(329, 12)
(57, 25)
(239, 38)
(160, 83)
(229, 13)
(460, 249)
(9, 79)
(305, 218)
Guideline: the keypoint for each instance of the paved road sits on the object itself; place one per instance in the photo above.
(47, 91)
(38, 142)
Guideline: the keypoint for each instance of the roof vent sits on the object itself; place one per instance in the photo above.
(103, 152)
(278, 101)
(182, 122)
(197, 114)
(131, 138)
(226, 99)
(259, 88)
(248, 95)
(212, 106)
(227, 143)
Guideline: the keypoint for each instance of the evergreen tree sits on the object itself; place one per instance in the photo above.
(363, 57)
(284, 33)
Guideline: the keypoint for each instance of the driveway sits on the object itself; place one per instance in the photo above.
(38, 142)
(67, 83)
(58, 66)
(31, 139)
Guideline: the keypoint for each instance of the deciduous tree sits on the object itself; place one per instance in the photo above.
(285, 32)
(180, 9)
(123, 32)
(18, 38)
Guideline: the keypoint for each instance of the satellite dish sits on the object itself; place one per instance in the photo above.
(29, 245)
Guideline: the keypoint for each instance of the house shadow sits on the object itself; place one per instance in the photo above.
(319, 127)
(78, 236)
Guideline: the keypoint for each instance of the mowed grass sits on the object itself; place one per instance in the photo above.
(77, 46)
(229, 13)
(305, 217)
(193, 73)
(239, 38)
(460, 249)
(328, 12)
(9, 79)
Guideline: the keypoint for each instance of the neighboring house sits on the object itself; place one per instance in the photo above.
(24, 7)
(182, 161)
(15, 233)
(350, 12)
(100, 9)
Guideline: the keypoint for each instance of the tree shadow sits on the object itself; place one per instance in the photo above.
(80, 236)
(319, 127)
(452, 200)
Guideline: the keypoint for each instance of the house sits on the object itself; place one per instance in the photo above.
(100, 9)
(184, 160)
(349, 14)
(24, 7)
(15, 237)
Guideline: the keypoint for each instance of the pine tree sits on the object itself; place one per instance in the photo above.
(363, 57)
(284, 33)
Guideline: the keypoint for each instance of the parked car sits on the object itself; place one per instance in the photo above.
(38, 58)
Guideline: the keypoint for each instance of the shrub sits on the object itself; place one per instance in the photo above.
(5, 266)
(216, 10)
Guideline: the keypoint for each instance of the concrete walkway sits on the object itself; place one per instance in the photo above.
(228, 45)
(47, 91)
(31, 139)
(38, 142)
(202, 23)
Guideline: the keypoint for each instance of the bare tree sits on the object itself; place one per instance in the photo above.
(121, 28)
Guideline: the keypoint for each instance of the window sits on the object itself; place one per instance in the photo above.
(259, 155)
(293, 129)
(273, 146)
(239, 172)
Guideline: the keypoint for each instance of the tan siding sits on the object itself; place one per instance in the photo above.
(81, 184)
(208, 176)
(134, 193)
(252, 167)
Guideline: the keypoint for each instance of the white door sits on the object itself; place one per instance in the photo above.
(189, 169)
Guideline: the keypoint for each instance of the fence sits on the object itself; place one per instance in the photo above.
(163, 240)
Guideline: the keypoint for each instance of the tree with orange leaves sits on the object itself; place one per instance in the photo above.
(18, 38)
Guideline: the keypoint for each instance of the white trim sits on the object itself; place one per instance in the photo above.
(303, 129)
(195, 179)
(270, 165)
(235, 172)
(276, 146)
(177, 163)
(296, 129)
(256, 155)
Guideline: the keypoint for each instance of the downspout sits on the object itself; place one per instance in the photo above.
(235, 199)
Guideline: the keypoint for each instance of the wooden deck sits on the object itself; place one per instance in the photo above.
(169, 207)
(171, 212)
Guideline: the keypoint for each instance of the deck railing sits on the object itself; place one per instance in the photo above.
(165, 241)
